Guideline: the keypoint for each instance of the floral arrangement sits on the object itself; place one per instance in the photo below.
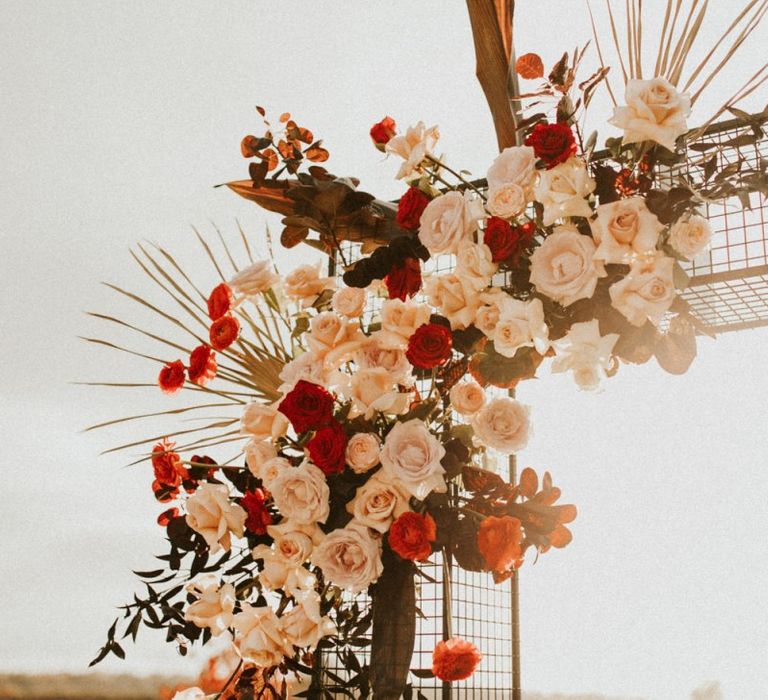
(371, 414)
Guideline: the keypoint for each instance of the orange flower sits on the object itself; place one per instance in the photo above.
(455, 659)
(202, 365)
(171, 377)
(499, 541)
(220, 301)
(224, 332)
(411, 536)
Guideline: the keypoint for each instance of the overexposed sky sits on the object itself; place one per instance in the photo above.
(117, 118)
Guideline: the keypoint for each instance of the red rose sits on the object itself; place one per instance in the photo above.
(383, 131)
(258, 516)
(410, 208)
(308, 406)
(327, 448)
(505, 241)
(430, 346)
(552, 143)
(499, 541)
(455, 659)
(202, 365)
(171, 377)
(220, 301)
(411, 536)
(224, 332)
(404, 280)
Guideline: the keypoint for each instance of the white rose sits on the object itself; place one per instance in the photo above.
(374, 390)
(363, 452)
(624, 229)
(411, 458)
(259, 636)
(305, 284)
(349, 557)
(474, 265)
(507, 200)
(349, 301)
(377, 503)
(647, 291)
(413, 147)
(563, 267)
(447, 221)
(655, 111)
(214, 516)
(306, 366)
(515, 165)
(399, 321)
(279, 573)
(259, 277)
(585, 352)
(263, 421)
(690, 236)
(456, 299)
(331, 332)
(301, 494)
(303, 625)
(294, 541)
(372, 354)
(502, 424)
(564, 189)
(521, 324)
(270, 469)
(214, 605)
(256, 453)
(467, 397)
(487, 316)
(190, 694)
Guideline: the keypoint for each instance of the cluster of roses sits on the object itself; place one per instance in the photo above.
(539, 217)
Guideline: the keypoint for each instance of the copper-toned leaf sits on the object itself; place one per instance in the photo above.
(476, 479)
(529, 482)
(317, 154)
(284, 117)
(320, 173)
(258, 171)
(248, 146)
(530, 66)
(270, 196)
(546, 482)
(270, 157)
(560, 537)
(294, 132)
(566, 513)
(261, 111)
(547, 496)
(288, 151)
(293, 235)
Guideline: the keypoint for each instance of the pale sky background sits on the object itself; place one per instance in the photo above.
(116, 118)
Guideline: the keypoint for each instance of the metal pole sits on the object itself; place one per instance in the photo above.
(515, 592)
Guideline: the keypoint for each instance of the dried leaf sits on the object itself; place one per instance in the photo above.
(317, 154)
(293, 235)
(530, 66)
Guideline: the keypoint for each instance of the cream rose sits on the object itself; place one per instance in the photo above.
(413, 147)
(624, 229)
(374, 390)
(447, 221)
(515, 165)
(256, 453)
(690, 236)
(411, 458)
(373, 354)
(456, 299)
(271, 469)
(303, 625)
(263, 421)
(293, 541)
(305, 284)
(563, 267)
(331, 332)
(259, 636)
(467, 397)
(349, 301)
(259, 277)
(363, 452)
(564, 189)
(349, 557)
(585, 353)
(377, 503)
(214, 605)
(502, 424)
(301, 494)
(655, 111)
(279, 573)
(399, 321)
(474, 265)
(211, 514)
(487, 314)
(307, 366)
(647, 291)
(521, 324)
(507, 200)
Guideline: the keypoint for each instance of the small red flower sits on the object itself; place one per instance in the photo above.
(307, 406)
(224, 332)
(258, 516)
(220, 301)
(404, 280)
(430, 346)
(166, 516)
(552, 143)
(202, 365)
(455, 659)
(507, 242)
(411, 536)
(171, 377)
(327, 448)
(383, 131)
(500, 542)
(167, 464)
(410, 208)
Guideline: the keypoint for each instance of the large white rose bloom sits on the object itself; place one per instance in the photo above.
(647, 292)
(454, 296)
(303, 625)
(515, 165)
(413, 147)
(259, 636)
(502, 424)
(585, 353)
(399, 321)
(259, 277)
(282, 573)
(214, 605)
(305, 284)
(624, 229)
(521, 324)
(474, 265)
(564, 189)
(374, 354)
(263, 421)
(214, 516)
(448, 220)
(467, 397)
(378, 502)
(349, 557)
(301, 494)
(690, 236)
